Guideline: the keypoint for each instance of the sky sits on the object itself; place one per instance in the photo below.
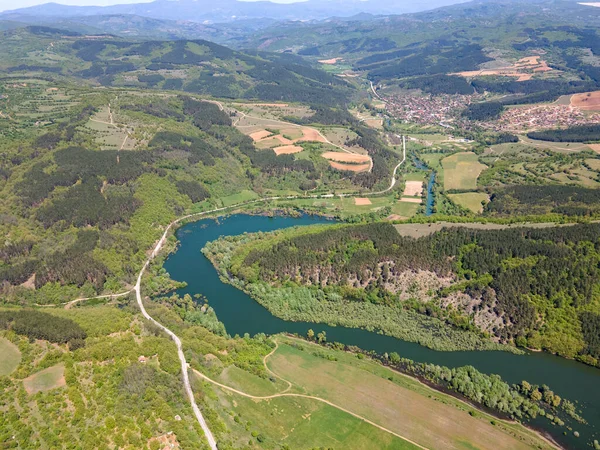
(6, 5)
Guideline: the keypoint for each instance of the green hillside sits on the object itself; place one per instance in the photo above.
(198, 66)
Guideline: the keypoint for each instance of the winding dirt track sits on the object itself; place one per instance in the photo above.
(184, 365)
(311, 397)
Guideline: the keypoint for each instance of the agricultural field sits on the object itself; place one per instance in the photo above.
(587, 101)
(473, 201)
(461, 171)
(11, 357)
(301, 409)
(110, 136)
(436, 422)
(524, 69)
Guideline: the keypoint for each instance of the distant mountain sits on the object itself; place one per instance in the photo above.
(210, 11)
(139, 27)
(195, 66)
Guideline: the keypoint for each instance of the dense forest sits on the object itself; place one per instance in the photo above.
(39, 325)
(535, 287)
(539, 199)
(582, 133)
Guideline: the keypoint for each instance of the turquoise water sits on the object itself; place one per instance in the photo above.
(241, 314)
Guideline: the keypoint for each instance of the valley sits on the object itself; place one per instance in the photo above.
(336, 232)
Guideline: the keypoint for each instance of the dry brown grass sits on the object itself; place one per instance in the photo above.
(396, 217)
(588, 101)
(410, 200)
(350, 167)
(413, 188)
(362, 201)
(345, 157)
(374, 123)
(287, 149)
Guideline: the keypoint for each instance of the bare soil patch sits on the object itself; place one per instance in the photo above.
(410, 200)
(283, 140)
(275, 105)
(523, 69)
(287, 149)
(374, 123)
(588, 101)
(345, 157)
(261, 134)
(362, 201)
(310, 134)
(350, 167)
(413, 188)
(595, 147)
(330, 61)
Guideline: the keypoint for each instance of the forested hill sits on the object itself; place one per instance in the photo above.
(535, 287)
(196, 66)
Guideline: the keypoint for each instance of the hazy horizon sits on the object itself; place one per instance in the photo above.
(8, 5)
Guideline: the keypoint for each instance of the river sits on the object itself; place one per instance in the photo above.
(241, 314)
(430, 184)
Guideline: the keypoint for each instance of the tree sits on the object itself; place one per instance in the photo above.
(321, 337)
(310, 334)
(536, 395)
(394, 358)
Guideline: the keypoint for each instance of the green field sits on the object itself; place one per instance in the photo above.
(45, 380)
(396, 405)
(300, 423)
(461, 170)
(470, 200)
(11, 357)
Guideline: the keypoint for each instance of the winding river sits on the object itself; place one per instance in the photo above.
(241, 314)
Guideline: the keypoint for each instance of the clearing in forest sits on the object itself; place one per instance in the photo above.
(287, 136)
(470, 200)
(523, 69)
(588, 101)
(461, 170)
(345, 157)
(330, 61)
(350, 167)
(287, 149)
(362, 201)
(10, 357)
(44, 380)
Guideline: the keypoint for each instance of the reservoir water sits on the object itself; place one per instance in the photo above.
(241, 314)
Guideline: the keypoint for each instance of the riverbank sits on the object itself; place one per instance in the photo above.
(312, 304)
(429, 384)
(242, 315)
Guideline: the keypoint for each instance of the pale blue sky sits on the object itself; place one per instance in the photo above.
(6, 5)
